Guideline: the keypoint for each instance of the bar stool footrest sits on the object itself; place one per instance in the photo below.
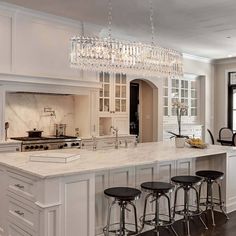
(162, 222)
(193, 211)
(115, 229)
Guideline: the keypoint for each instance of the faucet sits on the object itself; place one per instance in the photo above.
(116, 140)
(94, 143)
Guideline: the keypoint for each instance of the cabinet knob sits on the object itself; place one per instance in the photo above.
(19, 186)
(20, 213)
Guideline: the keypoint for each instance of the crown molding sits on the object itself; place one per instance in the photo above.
(197, 58)
(224, 61)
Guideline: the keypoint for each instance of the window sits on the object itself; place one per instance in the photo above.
(185, 90)
(232, 101)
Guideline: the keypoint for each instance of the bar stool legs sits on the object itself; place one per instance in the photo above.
(211, 178)
(156, 191)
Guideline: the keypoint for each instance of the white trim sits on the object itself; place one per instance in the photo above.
(16, 78)
(197, 58)
(224, 61)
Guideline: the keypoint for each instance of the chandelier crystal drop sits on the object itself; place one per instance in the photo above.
(133, 58)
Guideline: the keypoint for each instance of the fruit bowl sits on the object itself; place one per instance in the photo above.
(196, 143)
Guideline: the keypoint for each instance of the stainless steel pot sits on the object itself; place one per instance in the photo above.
(34, 133)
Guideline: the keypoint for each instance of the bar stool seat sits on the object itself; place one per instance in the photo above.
(187, 183)
(123, 193)
(159, 187)
(210, 174)
(156, 191)
(186, 180)
(211, 177)
(123, 197)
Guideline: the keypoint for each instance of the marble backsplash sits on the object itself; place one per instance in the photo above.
(26, 111)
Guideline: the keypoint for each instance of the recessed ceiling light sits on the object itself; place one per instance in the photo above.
(230, 55)
(228, 37)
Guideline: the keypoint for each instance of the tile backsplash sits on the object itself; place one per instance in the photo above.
(26, 111)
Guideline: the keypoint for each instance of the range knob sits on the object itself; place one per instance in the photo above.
(77, 144)
(46, 148)
(73, 144)
(36, 147)
(26, 147)
(41, 146)
(65, 145)
(61, 146)
(31, 147)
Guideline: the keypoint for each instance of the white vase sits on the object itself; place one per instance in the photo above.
(179, 142)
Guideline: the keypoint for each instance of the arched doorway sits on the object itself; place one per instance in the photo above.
(144, 110)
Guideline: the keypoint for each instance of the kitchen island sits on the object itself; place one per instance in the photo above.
(57, 199)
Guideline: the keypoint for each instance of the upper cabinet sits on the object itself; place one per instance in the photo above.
(187, 91)
(6, 42)
(113, 103)
(113, 94)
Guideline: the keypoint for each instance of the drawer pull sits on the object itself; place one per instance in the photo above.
(20, 213)
(19, 186)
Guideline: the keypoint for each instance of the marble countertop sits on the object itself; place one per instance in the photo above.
(9, 141)
(95, 161)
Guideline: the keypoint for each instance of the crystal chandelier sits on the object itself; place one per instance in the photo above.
(133, 58)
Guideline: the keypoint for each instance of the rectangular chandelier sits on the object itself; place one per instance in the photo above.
(133, 58)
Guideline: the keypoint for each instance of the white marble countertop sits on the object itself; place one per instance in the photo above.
(95, 161)
(9, 141)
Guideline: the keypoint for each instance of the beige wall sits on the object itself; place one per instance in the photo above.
(222, 67)
(205, 70)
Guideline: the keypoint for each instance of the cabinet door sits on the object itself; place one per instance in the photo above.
(3, 200)
(145, 173)
(124, 177)
(120, 94)
(122, 123)
(101, 206)
(14, 230)
(185, 167)
(165, 170)
(105, 93)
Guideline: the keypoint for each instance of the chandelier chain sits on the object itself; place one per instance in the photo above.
(152, 20)
(109, 18)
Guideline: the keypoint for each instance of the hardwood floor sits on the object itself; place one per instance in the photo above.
(222, 228)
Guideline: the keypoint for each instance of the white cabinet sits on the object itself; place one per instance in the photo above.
(14, 230)
(10, 147)
(166, 170)
(113, 103)
(101, 183)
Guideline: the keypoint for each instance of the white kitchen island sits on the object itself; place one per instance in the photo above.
(56, 199)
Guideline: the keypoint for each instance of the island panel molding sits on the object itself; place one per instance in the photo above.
(68, 199)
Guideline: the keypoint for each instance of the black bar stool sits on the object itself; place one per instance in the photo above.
(212, 177)
(187, 210)
(123, 196)
(157, 190)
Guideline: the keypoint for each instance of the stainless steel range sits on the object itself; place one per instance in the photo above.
(48, 143)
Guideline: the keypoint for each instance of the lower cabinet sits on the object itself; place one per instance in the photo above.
(133, 177)
(14, 230)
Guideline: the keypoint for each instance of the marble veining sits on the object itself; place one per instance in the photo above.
(25, 111)
(95, 161)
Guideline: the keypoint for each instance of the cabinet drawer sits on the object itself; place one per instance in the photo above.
(21, 185)
(14, 230)
(23, 214)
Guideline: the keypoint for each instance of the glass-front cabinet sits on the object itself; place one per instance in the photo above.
(113, 103)
(185, 90)
(113, 94)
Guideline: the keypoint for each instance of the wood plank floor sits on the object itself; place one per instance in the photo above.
(222, 228)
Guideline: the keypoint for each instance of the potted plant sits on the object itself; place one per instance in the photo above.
(181, 110)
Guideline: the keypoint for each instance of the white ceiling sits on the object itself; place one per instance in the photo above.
(205, 28)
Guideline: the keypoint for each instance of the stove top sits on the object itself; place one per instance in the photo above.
(48, 142)
(43, 138)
